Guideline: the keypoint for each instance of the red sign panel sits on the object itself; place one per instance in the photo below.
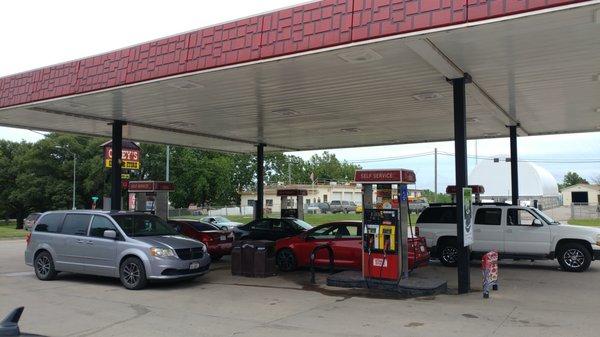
(385, 176)
(143, 186)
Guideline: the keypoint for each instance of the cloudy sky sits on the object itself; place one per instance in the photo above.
(41, 33)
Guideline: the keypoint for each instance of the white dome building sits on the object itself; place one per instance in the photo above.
(535, 182)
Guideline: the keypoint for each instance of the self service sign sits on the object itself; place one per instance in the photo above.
(130, 155)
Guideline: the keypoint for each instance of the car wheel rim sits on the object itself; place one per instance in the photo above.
(43, 265)
(286, 260)
(574, 258)
(449, 254)
(131, 274)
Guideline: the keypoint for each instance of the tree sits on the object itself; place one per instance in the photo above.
(441, 197)
(328, 167)
(572, 178)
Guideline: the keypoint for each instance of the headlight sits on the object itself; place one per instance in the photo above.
(204, 249)
(162, 252)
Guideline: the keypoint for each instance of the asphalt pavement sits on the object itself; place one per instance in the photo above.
(535, 299)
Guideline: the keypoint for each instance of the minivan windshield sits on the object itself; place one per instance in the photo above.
(143, 225)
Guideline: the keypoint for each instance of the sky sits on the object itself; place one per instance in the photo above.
(42, 33)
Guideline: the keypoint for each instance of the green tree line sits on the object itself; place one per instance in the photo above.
(37, 177)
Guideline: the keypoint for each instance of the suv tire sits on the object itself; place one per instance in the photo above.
(133, 274)
(574, 257)
(44, 266)
(448, 252)
(286, 260)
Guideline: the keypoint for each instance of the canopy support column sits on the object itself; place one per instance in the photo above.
(260, 181)
(460, 162)
(514, 171)
(117, 150)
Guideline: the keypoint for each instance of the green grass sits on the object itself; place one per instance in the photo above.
(313, 219)
(585, 222)
(8, 231)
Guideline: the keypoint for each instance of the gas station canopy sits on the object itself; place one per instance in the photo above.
(333, 74)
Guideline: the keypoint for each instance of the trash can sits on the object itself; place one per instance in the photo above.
(253, 258)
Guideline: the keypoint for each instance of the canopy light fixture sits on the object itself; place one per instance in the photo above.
(350, 130)
(184, 85)
(472, 120)
(492, 134)
(286, 112)
(427, 96)
(596, 77)
(598, 110)
(360, 56)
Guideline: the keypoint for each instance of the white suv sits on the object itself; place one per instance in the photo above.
(514, 232)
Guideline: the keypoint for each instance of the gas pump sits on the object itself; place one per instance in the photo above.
(289, 208)
(478, 190)
(385, 223)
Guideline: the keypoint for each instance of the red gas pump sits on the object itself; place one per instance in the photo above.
(385, 223)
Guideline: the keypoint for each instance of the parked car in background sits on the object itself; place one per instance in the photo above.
(512, 231)
(30, 221)
(135, 247)
(217, 241)
(221, 222)
(344, 237)
(270, 229)
(342, 206)
(417, 205)
(317, 208)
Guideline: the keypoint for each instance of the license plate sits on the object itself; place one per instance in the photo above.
(194, 265)
(223, 238)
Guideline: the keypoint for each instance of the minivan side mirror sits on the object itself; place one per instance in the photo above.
(110, 234)
(537, 222)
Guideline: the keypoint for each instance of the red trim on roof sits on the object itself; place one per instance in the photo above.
(302, 28)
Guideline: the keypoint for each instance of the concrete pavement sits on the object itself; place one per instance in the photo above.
(535, 299)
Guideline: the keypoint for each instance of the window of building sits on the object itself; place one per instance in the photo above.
(269, 202)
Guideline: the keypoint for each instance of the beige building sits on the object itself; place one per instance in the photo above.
(316, 193)
(585, 194)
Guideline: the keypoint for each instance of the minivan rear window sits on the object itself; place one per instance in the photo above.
(438, 215)
(49, 223)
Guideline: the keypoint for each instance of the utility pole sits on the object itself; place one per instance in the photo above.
(168, 162)
(289, 171)
(74, 171)
(435, 173)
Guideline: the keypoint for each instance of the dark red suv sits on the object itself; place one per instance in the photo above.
(217, 241)
(345, 241)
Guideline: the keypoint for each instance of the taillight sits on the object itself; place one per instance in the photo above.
(28, 237)
(417, 231)
(207, 239)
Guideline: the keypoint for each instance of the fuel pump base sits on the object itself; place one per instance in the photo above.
(410, 287)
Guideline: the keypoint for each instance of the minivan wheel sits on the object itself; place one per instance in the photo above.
(574, 257)
(44, 266)
(133, 274)
(448, 253)
(286, 260)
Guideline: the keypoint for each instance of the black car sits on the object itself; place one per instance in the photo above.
(270, 229)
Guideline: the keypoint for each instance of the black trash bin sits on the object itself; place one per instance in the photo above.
(253, 258)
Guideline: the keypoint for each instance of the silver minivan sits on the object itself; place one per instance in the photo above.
(135, 247)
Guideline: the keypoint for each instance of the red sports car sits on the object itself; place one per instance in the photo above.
(217, 241)
(345, 241)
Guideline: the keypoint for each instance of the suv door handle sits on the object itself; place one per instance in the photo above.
(508, 231)
(478, 230)
(89, 242)
(79, 240)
